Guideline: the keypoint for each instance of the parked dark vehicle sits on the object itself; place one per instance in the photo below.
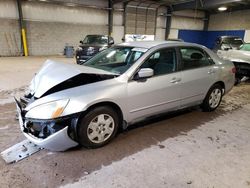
(228, 42)
(91, 45)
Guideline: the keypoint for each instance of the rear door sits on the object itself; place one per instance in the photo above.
(198, 74)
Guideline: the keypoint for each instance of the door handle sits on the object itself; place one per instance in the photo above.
(211, 71)
(175, 80)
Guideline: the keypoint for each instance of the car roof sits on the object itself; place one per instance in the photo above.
(151, 44)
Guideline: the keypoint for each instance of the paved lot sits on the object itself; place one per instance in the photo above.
(185, 149)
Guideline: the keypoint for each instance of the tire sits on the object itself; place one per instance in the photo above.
(98, 127)
(213, 98)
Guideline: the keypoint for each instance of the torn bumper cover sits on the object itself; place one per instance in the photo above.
(54, 135)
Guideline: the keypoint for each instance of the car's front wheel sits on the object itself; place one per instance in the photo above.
(213, 98)
(98, 127)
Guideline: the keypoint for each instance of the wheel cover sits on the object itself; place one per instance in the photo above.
(215, 97)
(100, 128)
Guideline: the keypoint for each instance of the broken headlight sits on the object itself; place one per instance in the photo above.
(49, 110)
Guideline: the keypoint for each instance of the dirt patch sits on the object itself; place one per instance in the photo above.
(50, 169)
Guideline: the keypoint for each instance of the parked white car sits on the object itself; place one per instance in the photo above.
(71, 104)
(240, 58)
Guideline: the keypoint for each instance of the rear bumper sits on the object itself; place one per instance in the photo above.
(56, 140)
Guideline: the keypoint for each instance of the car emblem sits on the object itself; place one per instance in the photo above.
(90, 50)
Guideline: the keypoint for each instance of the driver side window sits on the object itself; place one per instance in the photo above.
(162, 62)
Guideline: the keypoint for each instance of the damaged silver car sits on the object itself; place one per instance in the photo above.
(71, 104)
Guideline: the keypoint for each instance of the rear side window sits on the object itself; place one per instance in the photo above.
(194, 58)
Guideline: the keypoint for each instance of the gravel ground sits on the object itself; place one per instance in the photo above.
(184, 149)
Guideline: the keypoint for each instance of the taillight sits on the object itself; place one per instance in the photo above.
(234, 70)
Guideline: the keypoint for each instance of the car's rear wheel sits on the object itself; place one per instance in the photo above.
(213, 98)
(98, 127)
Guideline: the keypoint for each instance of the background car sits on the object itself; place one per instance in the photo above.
(240, 58)
(70, 104)
(227, 42)
(91, 45)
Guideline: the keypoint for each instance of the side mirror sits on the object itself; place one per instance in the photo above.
(144, 73)
(81, 41)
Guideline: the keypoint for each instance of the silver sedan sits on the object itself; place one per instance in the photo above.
(69, 104)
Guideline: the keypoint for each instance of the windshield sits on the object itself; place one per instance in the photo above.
(233, 41)
(95, 39)
(245, 47)
(116, 59)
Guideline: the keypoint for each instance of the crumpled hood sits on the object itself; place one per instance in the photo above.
(235, 55)
(53, 73)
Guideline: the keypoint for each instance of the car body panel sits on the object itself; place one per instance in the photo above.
(59, 141)
(235, 55)
(163, 97)
(53, 73)
(241, 60)
(137, 99)
(194, 89)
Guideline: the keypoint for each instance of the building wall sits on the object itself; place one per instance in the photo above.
(160, 24)
(49, 27)
(118, 25)
(186, 19)
(238, 20)
(49, 38)
(10, 43)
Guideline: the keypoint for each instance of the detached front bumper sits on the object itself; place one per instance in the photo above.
(59, 141)
(55, 139)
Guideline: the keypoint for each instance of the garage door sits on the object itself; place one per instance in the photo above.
(140, 19)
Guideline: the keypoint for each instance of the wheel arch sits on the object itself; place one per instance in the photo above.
(113, 105)
(222, 84)
(205, 104)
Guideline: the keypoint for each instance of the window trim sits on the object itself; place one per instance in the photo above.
(175, 49)
(197, 48)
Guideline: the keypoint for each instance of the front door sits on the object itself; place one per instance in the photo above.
(158, 93)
